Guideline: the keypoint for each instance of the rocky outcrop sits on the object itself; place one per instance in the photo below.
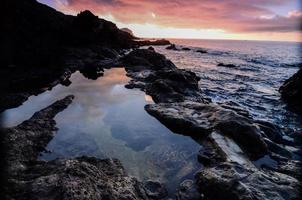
(38, 42)
(172, 47)
(77, 178)
(160, 78)
(199, 120)
(232, 181)
(291, 92)
(160, 42)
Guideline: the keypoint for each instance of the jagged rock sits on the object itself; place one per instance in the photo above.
(232, 181)
(153, 42)
(155, 189)
(199, 119)
(172, 47)
(291, 92)
(76, 178)
(83, 178)
(160, 78)
(188, 191)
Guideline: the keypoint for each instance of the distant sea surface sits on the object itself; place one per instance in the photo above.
(259, 70)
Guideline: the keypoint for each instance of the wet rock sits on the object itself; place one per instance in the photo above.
(151, 48)
(160, 78)
(200, 119)
(172, 47)
(291, 92)
(24, 142)
(83, 178)
(202, 51)
(77, 178)
(155, 190)
(226, 65)
(188, 191)
(185, 49)
(232, 181)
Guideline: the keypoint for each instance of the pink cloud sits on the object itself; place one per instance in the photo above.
(231, 15)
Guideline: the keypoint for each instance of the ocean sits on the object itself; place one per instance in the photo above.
(260, 68)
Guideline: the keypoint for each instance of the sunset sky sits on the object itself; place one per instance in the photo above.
(206, 19)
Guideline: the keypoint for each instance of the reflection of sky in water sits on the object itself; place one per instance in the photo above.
(108, 120)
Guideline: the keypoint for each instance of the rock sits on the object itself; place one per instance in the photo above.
(200, 119)
(291, 92)
(155, 190)
(27, 47)
(185, 49)
(151, 48)
(25, 141)
(83, 178)
(232, 181)
(76, 178)
(188, 191)
(226, 65)
(172, 47)
(202, 51)
(160, 42)
(160, 78)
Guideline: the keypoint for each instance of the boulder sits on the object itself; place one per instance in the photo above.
(232, 181)
(172, 47)
(291, 92)
(200, 119)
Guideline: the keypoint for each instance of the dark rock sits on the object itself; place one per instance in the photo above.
(188, 191)
(185, 49)
(172, 47)
(202, 51)
(151, 48)
(226, 65)
(155, 190)
(77, 178)
(160, 42)
(160, 78)
(36, 35)
(231, 181)
(291, 92)
(83, 178)
(199, 119)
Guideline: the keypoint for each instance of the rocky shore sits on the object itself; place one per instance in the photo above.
(242, 158)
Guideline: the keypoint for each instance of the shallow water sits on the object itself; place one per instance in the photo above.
(260, 69)
(108, 120)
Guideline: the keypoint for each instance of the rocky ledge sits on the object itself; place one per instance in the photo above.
(291, 92)
(77, 178)
(160, 78)
(243, 158)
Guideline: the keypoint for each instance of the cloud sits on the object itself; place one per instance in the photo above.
(231, 15)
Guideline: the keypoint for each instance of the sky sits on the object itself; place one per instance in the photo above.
(278, 20)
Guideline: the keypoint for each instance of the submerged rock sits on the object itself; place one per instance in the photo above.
(291, 92)
(226, 65)
(185, 49)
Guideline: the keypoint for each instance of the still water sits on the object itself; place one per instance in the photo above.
(108, 120)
